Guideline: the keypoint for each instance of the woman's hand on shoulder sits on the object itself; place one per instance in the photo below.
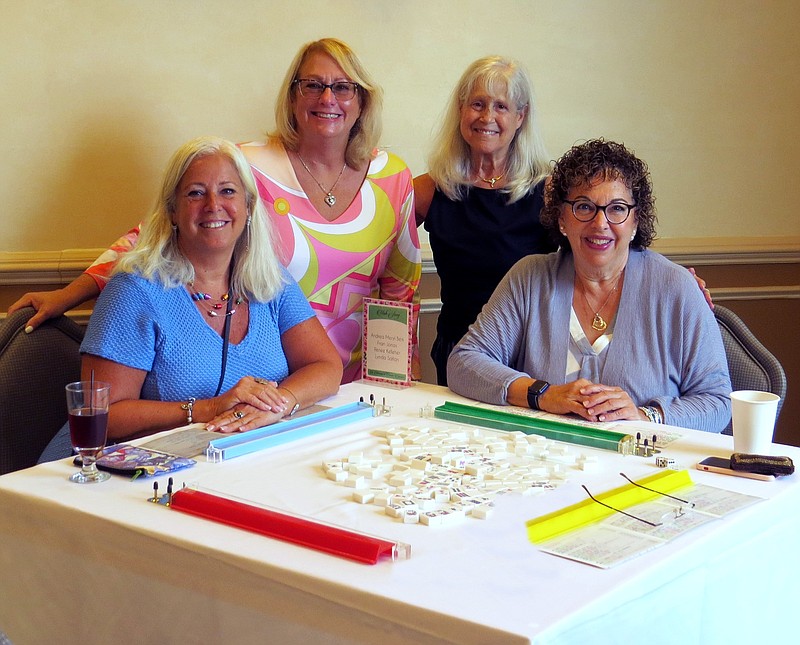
(48, 304)
(702, 284)
(52, 304)
(424, 188)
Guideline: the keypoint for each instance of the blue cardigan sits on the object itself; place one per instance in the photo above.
(666, 346)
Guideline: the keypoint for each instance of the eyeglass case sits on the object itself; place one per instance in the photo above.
(762, 464)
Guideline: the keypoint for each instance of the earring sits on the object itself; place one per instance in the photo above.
(633, 236)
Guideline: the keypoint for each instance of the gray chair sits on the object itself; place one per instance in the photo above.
(34, 368)
(751, 365)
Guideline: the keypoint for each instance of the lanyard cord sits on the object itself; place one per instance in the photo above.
(226, 332)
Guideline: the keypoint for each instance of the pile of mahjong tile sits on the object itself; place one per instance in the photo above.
(438, 475)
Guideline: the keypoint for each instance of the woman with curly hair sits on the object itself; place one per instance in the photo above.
(604, 328)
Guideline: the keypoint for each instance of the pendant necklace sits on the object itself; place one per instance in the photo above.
(330, 198)
(598, 323)
(201, 297)
(492, 180)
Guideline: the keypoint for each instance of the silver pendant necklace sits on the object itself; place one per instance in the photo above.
(330, 198)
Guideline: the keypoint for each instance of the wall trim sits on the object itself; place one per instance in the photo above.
(61, 267)
(45, 267)
(706, 251)
(723, 294)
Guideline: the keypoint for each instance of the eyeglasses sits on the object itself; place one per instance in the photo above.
(585, 210)
(666, 518)
(342, 90)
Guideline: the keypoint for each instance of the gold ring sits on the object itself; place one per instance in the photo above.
(258, 379)
(238, 414)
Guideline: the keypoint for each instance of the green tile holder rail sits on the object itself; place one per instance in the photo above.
(548, 428)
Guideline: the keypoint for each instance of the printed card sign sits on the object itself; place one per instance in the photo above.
(387, 341)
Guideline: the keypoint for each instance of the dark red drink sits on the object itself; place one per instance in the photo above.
(87, 429)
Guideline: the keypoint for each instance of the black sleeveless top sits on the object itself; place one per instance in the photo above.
(475, 242)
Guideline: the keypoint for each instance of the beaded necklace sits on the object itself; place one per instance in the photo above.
(201, 297)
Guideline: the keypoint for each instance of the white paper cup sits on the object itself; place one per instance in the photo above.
(753, 421)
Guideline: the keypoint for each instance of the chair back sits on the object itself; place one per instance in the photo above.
(751, 365)
(34, 368)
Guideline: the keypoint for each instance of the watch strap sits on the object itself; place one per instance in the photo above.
(536, 389)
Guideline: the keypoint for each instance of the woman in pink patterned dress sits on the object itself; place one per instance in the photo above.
(343, 210)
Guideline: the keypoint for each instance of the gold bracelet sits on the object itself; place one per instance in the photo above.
(296, 400)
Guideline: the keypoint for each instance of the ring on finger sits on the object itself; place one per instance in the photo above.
(260, 380)
(238, 414)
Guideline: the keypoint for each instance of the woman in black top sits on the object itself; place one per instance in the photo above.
(481, 198)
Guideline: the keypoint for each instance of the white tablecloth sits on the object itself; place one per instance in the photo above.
(98, 564)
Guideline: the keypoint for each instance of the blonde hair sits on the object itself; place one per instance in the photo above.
(256, 270)
(450, 164)
(366, 131)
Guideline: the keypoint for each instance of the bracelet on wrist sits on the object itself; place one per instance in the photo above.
(296, 406)
(652, 413)
(189, 407)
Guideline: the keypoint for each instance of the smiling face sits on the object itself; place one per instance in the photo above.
(324, 115)
(599, 248)
(489, 122)
(210, 206)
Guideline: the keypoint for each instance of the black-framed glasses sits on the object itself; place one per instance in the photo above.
(585, 210)
(658, 492)
(342, 90)
(666, 518)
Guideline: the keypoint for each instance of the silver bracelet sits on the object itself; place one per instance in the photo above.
(189, 407)
(296, 406)
(653, 414)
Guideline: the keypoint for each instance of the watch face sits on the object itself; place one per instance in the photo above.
(538, 387)
(534, 392)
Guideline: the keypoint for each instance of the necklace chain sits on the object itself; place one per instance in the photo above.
(598, 323)
(330, 198)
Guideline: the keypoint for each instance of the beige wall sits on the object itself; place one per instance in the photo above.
(95, 95)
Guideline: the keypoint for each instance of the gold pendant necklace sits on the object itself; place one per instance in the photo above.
(492, 180)
(330, 198)
(598, 323)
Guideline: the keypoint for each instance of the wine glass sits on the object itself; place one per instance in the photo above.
(87, 405)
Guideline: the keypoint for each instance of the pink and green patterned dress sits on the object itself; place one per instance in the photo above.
(370, 250)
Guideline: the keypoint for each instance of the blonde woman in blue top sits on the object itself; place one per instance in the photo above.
(200, 323)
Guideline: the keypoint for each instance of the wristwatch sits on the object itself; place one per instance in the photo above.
(536, 390)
